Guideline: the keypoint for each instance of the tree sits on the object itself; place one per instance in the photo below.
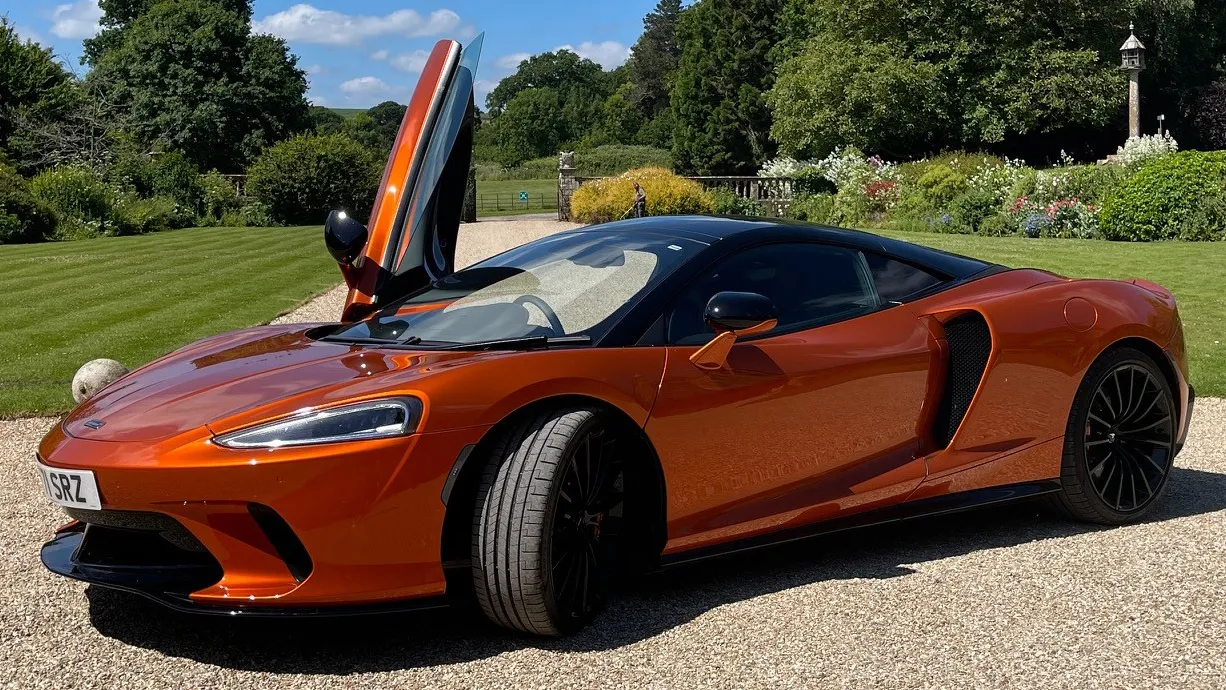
(871, 97)
(718, 95)
(198, 82)
(621, 120)
(33, 86)
(273, 95)
(581, 87)
(326, 120)
(1209, 116)
(655, 58)
(385, 121)
(527, 128)
(1023, 78)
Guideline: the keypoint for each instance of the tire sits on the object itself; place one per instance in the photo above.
(1119, 444)
(531, 539)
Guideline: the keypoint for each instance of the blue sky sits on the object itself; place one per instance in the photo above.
(357, 54)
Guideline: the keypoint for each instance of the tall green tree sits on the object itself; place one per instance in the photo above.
(529, 127)
(722, 124)
(197, 81)
(655, 58)
(580, 85)
(33, 86)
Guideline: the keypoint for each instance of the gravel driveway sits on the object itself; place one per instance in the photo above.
(1007, 597)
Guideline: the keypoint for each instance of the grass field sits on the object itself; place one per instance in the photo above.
(136, 298)
(1194, 271)
(500, 197)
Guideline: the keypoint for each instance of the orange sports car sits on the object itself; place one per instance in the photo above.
(616, 398)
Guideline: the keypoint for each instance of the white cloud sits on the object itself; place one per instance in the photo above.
(511, 62)
(27, 34)
(313, 69)
(411, 62)
(482, 88)
(466, 32)
(309, 24)
(379, 55)
(364, 86)
(607, 54)
(77, 20)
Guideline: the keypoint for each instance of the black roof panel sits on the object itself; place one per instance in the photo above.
(716, 230)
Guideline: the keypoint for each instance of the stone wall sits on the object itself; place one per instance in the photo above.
(568, 182)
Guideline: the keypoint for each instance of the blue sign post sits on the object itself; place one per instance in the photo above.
(523, 197)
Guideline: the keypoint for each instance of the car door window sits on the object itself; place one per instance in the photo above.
(897, 281)
(810, 284)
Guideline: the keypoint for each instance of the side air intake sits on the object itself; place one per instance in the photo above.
(970, 343)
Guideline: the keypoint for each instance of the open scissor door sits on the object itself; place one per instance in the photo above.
(416, 217)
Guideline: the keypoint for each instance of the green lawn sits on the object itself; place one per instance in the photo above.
(136, 298)
(501, 197)
(1194, 271)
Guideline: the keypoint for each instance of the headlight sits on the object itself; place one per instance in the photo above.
(358, 422)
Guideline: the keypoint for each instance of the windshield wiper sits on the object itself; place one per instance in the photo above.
(525, 343)
(407, 342)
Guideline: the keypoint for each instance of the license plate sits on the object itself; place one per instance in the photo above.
(70, 488)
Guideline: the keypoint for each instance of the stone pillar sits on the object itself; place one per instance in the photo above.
(1134, 104)
(567, 184)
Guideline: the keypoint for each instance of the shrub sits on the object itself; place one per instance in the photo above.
(132, 215)
(969, 210)
(667, 194)
(219, 194)
(23, 217)
(175, 176)
(79, 197)
(301, 180)
(1092, 184)
(726, 202)
(1208, 222)
(999, 225)
(251, 214)
(941, 184)
(1157, 202)
(814, 208)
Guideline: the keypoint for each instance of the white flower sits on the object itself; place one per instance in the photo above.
(1140, 149)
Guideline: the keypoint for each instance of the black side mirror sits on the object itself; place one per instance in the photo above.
(733, 315)
(345, 237)
(739, 311)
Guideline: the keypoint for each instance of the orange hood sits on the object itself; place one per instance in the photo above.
(241, 378)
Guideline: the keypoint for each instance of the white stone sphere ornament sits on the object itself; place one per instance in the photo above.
(95, 375)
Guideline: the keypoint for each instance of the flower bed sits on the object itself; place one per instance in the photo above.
(1149, 191)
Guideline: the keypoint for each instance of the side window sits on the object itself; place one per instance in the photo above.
(810, 284)
(897, 281)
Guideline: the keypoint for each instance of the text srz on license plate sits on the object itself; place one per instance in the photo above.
(70, 488)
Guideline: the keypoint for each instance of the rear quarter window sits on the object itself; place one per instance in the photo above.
(897, 281)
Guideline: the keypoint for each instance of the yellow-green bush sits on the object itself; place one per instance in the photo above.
(600, 201)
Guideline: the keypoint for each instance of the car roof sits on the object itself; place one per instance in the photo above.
(720, 230)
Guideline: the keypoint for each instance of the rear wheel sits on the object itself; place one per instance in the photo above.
(1119, 445)
(548, 522)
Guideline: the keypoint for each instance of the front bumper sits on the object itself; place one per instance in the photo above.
(338, 529)
(171, 585)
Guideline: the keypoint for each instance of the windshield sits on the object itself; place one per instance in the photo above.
(572, 287)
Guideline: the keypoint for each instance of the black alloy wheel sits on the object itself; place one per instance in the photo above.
(1129, 438)
(1119, 444)
(587, 525)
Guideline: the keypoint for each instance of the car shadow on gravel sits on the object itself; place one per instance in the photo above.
(643, 608)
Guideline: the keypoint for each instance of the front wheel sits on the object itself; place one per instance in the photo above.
(547, 523)
(1119, 445)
